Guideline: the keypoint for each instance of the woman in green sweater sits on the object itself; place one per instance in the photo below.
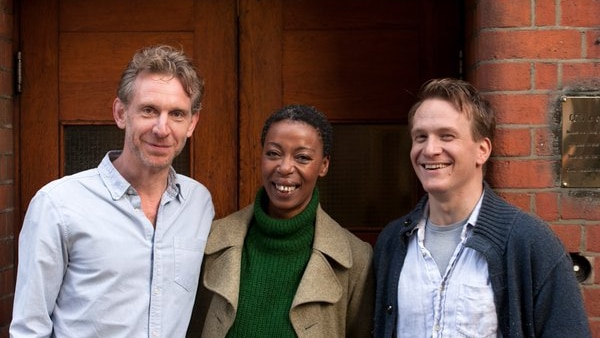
(282, 267)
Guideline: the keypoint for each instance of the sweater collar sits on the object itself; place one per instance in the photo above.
(276, 227)
(282, 235)
(329, 239)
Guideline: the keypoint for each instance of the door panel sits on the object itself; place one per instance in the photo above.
(352, 76)
(132, 15)
(90, 66)
(351, 60)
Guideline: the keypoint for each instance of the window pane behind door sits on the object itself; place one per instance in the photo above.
(370, 180)
(86, 145)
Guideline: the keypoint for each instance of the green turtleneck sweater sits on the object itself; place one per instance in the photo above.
(274, 257)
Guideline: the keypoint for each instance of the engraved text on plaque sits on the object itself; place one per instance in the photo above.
(580, 142)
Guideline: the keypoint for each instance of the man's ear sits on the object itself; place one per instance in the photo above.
(194, 122)
(485, 151)
(119, 113)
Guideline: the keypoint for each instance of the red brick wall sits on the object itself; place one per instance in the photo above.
(7, 160)
(525, 54)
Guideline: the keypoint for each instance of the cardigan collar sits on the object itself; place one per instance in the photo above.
(493, 223)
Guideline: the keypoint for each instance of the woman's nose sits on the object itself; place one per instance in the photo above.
(286, 166)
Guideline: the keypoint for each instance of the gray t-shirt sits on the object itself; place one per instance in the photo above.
(441, 241)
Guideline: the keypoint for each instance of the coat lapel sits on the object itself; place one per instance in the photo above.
(224, 255)
(319, 282)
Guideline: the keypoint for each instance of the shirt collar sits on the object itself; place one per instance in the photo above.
(475, 213)
(471, 221)
(173, 187)
(118, 186)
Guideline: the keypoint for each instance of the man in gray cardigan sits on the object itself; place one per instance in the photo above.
(464, 262)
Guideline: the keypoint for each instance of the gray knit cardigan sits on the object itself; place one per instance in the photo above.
(535, 290)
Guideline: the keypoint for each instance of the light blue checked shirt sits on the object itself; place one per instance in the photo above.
(92, 265)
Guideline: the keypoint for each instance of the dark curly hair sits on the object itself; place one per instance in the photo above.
(307, 114)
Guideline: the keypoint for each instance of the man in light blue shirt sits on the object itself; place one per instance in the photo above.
(116, 251)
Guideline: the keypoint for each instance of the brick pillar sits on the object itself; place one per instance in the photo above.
(524, 55)
(7, 162)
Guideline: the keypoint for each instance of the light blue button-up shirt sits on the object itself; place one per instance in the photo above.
(459, 303)
(92, 265)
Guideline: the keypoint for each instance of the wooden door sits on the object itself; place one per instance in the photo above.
(73, 53)
(359, 61)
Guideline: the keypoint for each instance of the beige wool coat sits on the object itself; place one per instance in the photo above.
(335, 297)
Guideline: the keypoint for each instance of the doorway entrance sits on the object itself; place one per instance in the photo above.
(358, 61)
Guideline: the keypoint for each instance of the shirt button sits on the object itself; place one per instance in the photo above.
(436, 327)
(389, 309)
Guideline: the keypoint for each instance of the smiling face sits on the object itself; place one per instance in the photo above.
(444, 155)
(292, 161)
(157, 122)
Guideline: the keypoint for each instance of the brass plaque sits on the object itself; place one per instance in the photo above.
(580, 142)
